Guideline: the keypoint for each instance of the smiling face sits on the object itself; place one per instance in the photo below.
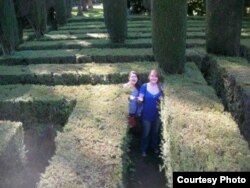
(153, 77)
(133, 78)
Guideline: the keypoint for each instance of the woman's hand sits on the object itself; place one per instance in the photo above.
(140, 99)
(131, 97)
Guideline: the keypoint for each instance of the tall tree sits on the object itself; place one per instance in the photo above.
(22, 8)
(9, 35)
(147, 5)
(169, 34)
(224, 26)
(61, 12)
(38, 17)
(69, 8)
(115, 17)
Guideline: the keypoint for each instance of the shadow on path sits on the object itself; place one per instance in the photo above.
(144, 171)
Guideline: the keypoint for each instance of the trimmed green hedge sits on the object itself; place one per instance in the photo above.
(128, 55)
(230, 78)
(94, 140)
(98, 43)
(39, 57)
(198, 135)
(73, 74)
(12, 154)
(87, 55)
(102, 27)
(29, 109)
(192, 33)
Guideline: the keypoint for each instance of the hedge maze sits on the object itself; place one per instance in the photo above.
(66, 88)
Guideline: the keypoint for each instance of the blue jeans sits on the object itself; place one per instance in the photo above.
(150, 134)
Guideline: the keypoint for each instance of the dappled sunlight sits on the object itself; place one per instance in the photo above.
(97, 35)
(244, 34)
(97, 12)
(60, 36)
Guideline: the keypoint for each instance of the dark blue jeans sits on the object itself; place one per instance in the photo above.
(150, 134)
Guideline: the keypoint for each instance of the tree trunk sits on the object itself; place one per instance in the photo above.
(115, 17)
(19, 19)
(9, 34)
(224, 26)
(69, 8)
(61, 12)
(169, 34)
(90, 4)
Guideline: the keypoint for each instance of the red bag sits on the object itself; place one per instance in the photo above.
(132, 121)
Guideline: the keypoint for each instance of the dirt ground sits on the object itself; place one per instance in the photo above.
(145, 171)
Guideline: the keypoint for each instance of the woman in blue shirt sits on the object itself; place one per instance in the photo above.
(150, 95)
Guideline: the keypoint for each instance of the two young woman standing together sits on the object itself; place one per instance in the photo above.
(145, 101)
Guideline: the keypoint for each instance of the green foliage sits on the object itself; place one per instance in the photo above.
(67, 74)
(92, 142)
(61, 12)
(12, 154)
(230, 78)
(9, 34)
(138, 42)
(147, 5)
(198, 134)
(197, 7)
(169, 45)
(115, 17)
(40, 56)
(137, 6)
(106, 55)
(224, 37)
(69, 8)
(38, 17)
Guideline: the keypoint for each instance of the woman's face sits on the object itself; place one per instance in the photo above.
(133, 79)
(153, 78)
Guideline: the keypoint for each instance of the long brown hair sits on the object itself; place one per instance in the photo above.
(158, 75)
(137, 85)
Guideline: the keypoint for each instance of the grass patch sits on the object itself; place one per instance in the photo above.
(73, 74)
(198, 134)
